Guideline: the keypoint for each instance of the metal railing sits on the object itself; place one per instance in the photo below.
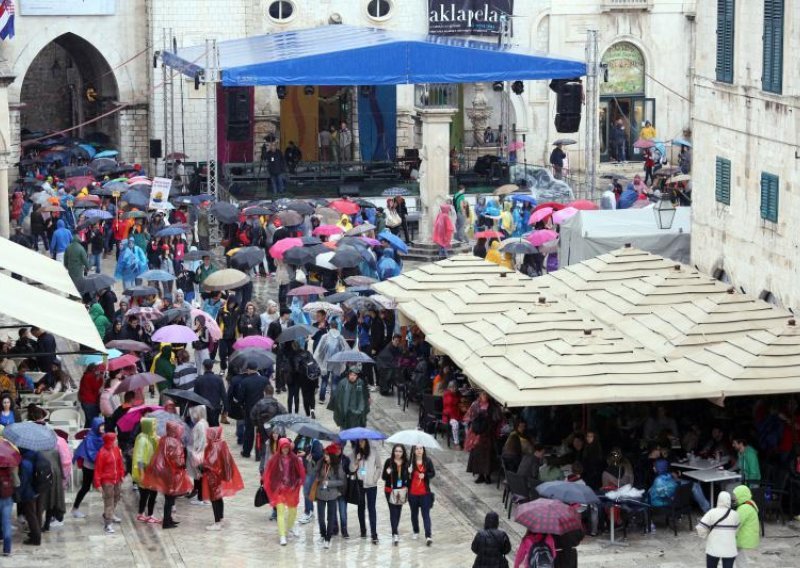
(436, 95)
(610, 5)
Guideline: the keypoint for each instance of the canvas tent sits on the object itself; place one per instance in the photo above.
(592, 233)
(36, 267)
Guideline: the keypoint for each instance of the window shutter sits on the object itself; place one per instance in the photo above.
(772, 80)
(723, 181)
(769, 197)
(725, 39)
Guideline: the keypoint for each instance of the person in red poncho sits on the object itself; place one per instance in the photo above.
(443, 229)
(167, 472)
(109, 471)
(283, 479)
(221, 477)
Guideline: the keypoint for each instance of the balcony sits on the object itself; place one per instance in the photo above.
(626, 5)
(436, 96)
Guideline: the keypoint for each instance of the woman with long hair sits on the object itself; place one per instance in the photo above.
(283, 479)
(420, 497)
(396, 479)
(365, 462)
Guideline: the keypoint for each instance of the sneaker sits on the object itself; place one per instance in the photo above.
(374, 540)
(214, 527)
(78, 514)
(305, 518)
(55, 523)
(153, 521)
(116, 519)
(415, 536)
(283, 541)
(395, 539)
(313, 414)
(327, 544)
(196, 502)
(142, 518)
(428, 541)
(109, 529)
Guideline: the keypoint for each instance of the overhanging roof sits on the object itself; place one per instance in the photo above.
(351, 55)
(34, 266)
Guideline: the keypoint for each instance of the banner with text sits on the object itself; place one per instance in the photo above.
(467, 17)
(67, 7)
(159, 193)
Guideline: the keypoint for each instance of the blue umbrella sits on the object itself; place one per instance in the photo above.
(395, 191)
(31, 436)
(136, 199)
(89, 149)
(395, 241)
(97, 359)
(98, 214)
(525, 198)
(197, 199)
(171, 231)
(361, 434)
(157, 276)
(107, 154)
(681, 142)
(116, 185)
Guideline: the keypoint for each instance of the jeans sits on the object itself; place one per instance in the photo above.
(367, 501)
(394, 514)
(323, 385)
(293, 400)
(96, 262)
(341, 505)
(420, 503)
(249, 436)
(713, 561)
(697, 494)
(6, 504)
(89, 412)
(326, 518)
(309, 504)
(225, 351)
(278, 183)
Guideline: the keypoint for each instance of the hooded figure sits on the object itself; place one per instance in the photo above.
(61, 239)
(131, 262)
(519, 221)
(718, 526)
(344, 223)
(221, 477)
(499, 258)
(748, 536)
(284, 476)
(144, 449)
(109, 468)
(664, 486)
(351, 404)
(164, 365)
(76, 260)
(99, 319)
(491, 544)
(387, 265)
(167, 470)
(197, 450)
(443, 228)
(91, 444)
(506, 219)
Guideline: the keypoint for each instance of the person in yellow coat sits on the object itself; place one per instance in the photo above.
(507, 219)
(143, 451)
(344, 223)
(501, 258)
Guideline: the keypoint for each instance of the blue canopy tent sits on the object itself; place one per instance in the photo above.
(350, 55)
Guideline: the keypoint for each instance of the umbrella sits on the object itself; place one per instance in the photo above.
(370, 241)
(359, 433)
(79, 182)
(188, 396)
(540, 215)
(140, 292)
(355, 242)
(318, 201)
(130, 419)
(98, 214)
(679, 178)
(300, 207)
(106, 154)
(360, 230)
(173, 314)
(247, 257)
(515, 145)
(288, 420)
(211, 324)
(120, 363)
(95, 359)
(350, 356)
(506, 189)
(584, 205)
(224, 211)
(344, 258)
(395, 191)
(9, 454)
(328, 215)
(174, 334)
(295, 332)
(324, 260)
(89, 149)
(538, 238)
(561, 216)
(643, 144)
(176, 156)
(138, 381)
(359, 280)
(227, 279)
(172, 231)
(489, 235)
(668, 171)
(327, 230)
(128, 345)
(162, 417)
(564, 142)
(298, 255)
(518, 246)
(414, 438)
(278, 249)
(363, 203)
(151, 314)
(344, 206)
(567, 492)
(135, 215)
(524, 198)
(359, 303)
(393, 240)
(290, 218)
(136, 199)
(254, 341)
(30, 436)
(384, 302)
(328, 308)
(681, 142)
(143, 188)
(257, 210)
(157, 276)
(193, 255)
(307, 290)
(84, 204)
(93, 283)
(316, 431)
(310, 241)
(135, 180)
(261, 357)
(340, 297)
(109, 190)
(546, 516)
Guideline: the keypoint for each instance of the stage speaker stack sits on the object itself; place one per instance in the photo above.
(569, 100)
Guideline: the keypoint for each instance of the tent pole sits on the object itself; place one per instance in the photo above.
(591, 155)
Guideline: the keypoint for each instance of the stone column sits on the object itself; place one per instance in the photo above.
(6, 78)
(434, 178)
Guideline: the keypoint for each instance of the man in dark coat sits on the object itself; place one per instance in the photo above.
(247, 392)
(211, 387)
(108, 300)
(273, 332)
(45, 344)
(265, 410)
(386, 363)
(228, 319)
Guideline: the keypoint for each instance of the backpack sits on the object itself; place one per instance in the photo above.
(6, 483)
(540, 556)
(480, 424)
(307, 366)
(42, 475)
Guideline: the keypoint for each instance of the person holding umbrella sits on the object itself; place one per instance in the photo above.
(365, 462)
(221, 477)
(143, 451)
(330, 480)
(283, 479)
(395, 476)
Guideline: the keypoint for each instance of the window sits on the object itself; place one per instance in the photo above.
(726, 19)
(281, 11)
(772, 78)
(723, 182)
(769, 197)
(379, 9)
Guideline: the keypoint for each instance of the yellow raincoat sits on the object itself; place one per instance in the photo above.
(506, 219)
(345, 223)
(144, 448)
(501, 258)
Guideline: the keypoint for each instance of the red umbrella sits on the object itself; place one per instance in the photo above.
(120, 363)
(547, 516)
(9, 454)
(307, 290)
(643, 144)
(91, 198)
(327, 230)
(489, 235)
(540, 215)
(79, 182)
(551, 204)
(278, 249)
(211, 325)
(585, 205)
(345, 206)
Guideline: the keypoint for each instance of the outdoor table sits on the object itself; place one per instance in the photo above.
(627, 504)
(698, 463)
(712, 476)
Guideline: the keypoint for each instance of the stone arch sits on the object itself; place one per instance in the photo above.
(69, 82)
(646, 57)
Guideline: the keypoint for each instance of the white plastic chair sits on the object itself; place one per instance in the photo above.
(70, 417)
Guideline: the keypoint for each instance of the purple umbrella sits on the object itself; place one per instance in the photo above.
(175, 334)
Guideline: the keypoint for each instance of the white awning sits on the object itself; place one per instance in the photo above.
(36, 267)
(61, 316)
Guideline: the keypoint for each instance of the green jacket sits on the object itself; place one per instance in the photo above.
(76, 259)
(202, 273)
(748, 465)
(748, 535)
(351, 404)
(99, 319)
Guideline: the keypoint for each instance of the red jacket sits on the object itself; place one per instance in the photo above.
(108, 467)
(90, 387)
(450, 406)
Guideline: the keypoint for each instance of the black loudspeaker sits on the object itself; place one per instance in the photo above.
(569, 99)
(237, 104)
(349, 190)
(483, 165)
(566, 123)
(155, 149)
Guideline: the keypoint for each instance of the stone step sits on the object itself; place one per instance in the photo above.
(427, 252)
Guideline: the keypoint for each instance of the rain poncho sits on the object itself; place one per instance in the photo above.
(99, 319)
(91, 444)
(109, 469)
(144, 449)
(664, 485)
(345, 223)
(506, 219)
(491, 209)
(284, 476)
(221, 477)
(196, 451)
(164, 365)
(76, 260)
(131, 263)
(494, 255)
(443, 227)
(387, 266)
(519, 221)
(329, 345)
(748, 535)
(298, 316)
(628, 198)
(61, 238)
(351, 404)
(166, 472)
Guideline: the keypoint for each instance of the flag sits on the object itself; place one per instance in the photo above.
(7, 19)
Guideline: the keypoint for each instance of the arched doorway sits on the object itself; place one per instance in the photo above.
(623, 100)
(69, 82)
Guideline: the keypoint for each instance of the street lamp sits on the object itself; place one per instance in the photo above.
(665, 211)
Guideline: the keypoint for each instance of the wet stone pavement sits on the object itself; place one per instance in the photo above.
(249, 538)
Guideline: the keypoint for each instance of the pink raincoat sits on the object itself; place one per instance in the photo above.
(443, 228)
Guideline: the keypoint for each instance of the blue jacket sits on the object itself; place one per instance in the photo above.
(131, 262)
(664, 485)
(25, 491)
(62, 237)
(387, 266)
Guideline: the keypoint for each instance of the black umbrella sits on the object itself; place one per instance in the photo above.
(247, 257)
(103, 165)
(172, 314)
(93, 283)
(363, 203)
(298, 256)
(224, 211)
(140, 291)
(135, 215)
(143, 188)
(72, 171)
(339, 297)
(85, 204)
(106, 191)
(518, 247)
(288, 420)
(319, 201)
(353, 242)
(188, 396)
(346, 257)
(314, 250)
(196, 255)
(258, 210)
(295, 332)
(261, 357)
(298, 206)
(310, 241)
(316, 431)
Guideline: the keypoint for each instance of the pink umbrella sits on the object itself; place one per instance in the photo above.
(585, 205)
(214, 332)
(140, 179)
(345, 206)
(561, 216)
(307, 290)
(370, 241)
(327, 230)
(130, 419)
(257, 341)
(538, 238)
(540, 215)
(174, 334)
(278, 249)
(514, 146)
(79, 182)
(643, 144)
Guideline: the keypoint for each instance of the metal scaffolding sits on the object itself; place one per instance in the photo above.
(210, 79)
(592, 127)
